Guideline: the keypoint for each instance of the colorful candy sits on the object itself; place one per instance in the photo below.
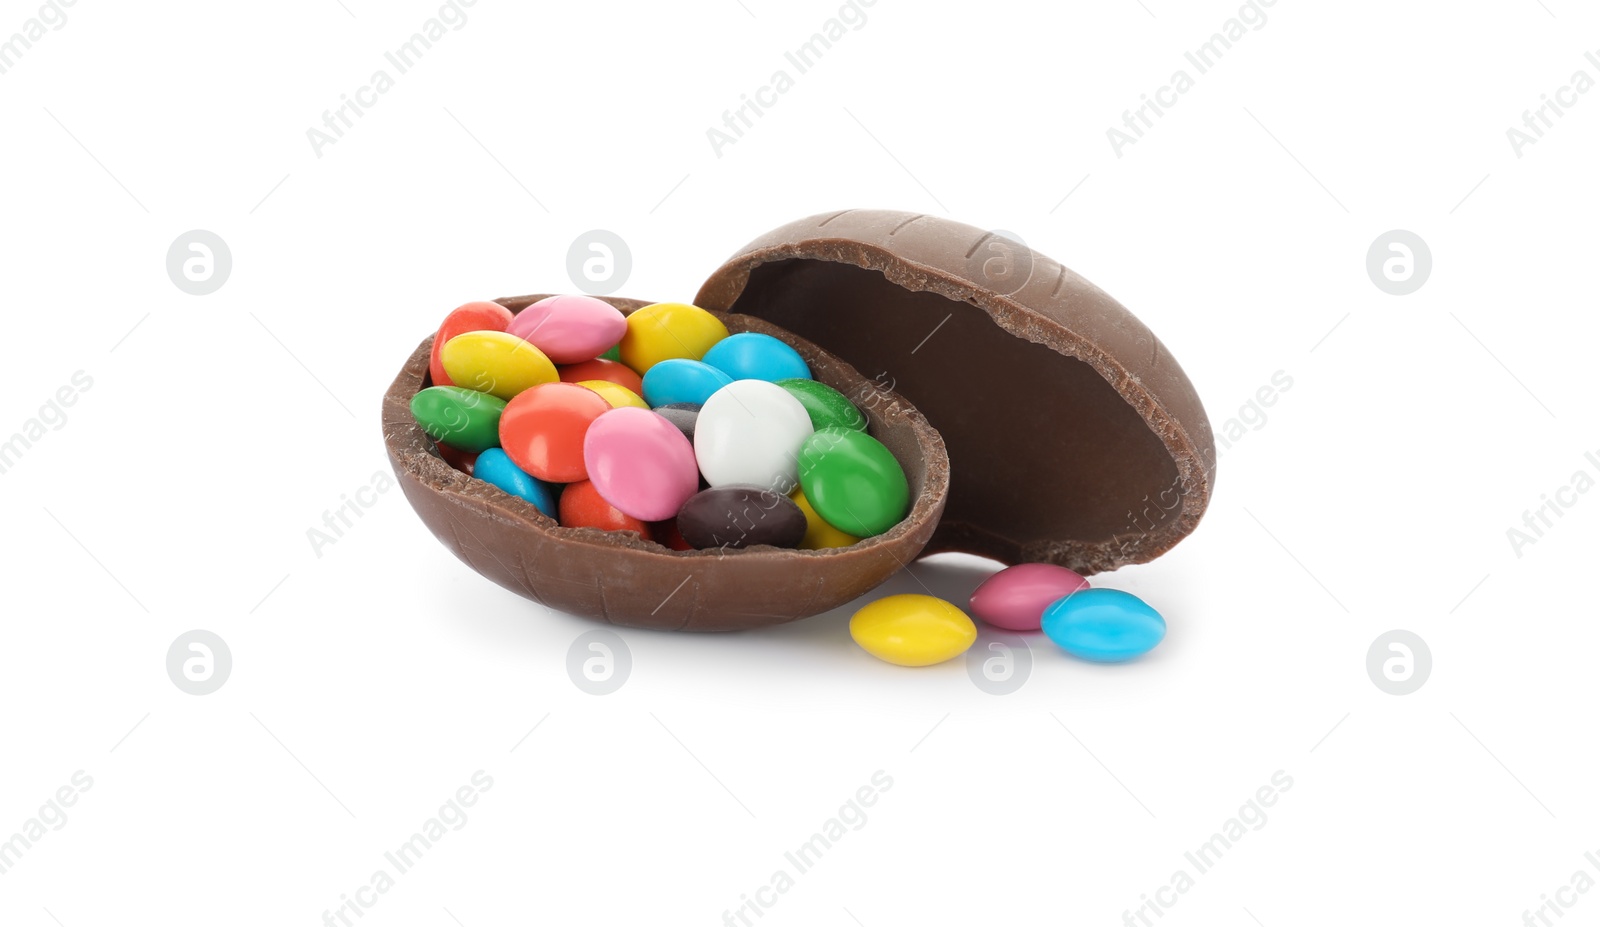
(667, 330)
(618, 396)
(853, 481)
(740, 516)
(913, 630)
(497, 363)
(473, 317)
(679, 380)
(819, 534)
(750, 431)
(582, 506)
(754, 356)
(1103, 625)
(463, 418)
(569, 329)
(641, 463)
(601, 369)
(827, 407)
(682, 414)
(543, 430)
(1015, 598)
(496, 469)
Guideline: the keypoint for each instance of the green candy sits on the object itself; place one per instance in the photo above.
(827, 407)
(853, 481)
(463, 418)
(613, 353)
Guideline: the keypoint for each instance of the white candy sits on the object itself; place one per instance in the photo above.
(750, 431)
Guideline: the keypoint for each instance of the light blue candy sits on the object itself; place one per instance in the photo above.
(496, 469)
(753, 356)
(682, 380)
(1103, 625)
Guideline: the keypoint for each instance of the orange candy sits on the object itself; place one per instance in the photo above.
(473, 317)
(582, 507)
(600, 369)
(542, 430)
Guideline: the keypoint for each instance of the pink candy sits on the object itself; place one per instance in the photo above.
(640, 463)
(570, 329)
(1015, 598)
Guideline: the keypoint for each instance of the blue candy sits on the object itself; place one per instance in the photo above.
(496, 469)
(1103, 625)
(681, 380)
(753, 356)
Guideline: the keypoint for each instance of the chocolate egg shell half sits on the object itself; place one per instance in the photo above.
(625, 580)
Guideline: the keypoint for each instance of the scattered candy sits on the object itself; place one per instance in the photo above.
(679, 380)
(601, 369)
(1104, 625)
(495, 468)
(827, 407)
(497, 363)
(1015, 598)
(852, 480)
(740, 516)
(618, 396)
(682, 414)
(473, 317)
(819, 534)
(913, 630)
(750, 432)
(582, 506)
(569, 329)
(543, 429)
(667, 330)
(754, 356)
(462, 418)
(641, 463)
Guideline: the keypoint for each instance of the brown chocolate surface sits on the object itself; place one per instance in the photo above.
(619, 578)
(1074, 436)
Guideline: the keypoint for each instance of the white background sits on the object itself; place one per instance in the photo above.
(372, 681)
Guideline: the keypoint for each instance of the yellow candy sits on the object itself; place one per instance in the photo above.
(496, 363)
(615, 393)
(819, 534)
(666, 330)
(913, 630)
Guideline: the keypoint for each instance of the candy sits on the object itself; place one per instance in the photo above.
(754, 356)
(497, 363)
(682, 414)
(1104, 625)
(827, 406)
(666, 534)
(495, 467)
(819, 534)
(462, 418)
(1015, 598)
(543, 428)
(913, 630)
(613, 353)
(457, 458)
(601, 369)
(617, 396)
(473, 317)
(679, 380)
(666, 330)
(641, 463)
(569, 329)
(749, 432)
(740, 516)
(853, 481)
(582, 506)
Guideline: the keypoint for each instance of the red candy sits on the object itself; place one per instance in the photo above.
(582, 507)
(600, 369)
(542, 430)
(457, 458)
(667, 535)
(473, 317)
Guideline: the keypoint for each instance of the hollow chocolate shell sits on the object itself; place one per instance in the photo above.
(622, 579)
(1074, 436)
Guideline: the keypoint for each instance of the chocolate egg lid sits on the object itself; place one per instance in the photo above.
(1074, 437)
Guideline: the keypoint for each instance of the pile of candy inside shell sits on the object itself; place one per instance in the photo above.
(658, 422)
